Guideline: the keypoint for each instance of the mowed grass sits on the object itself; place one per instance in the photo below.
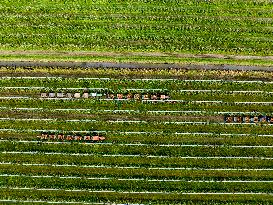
(241, 27)
(151, 155)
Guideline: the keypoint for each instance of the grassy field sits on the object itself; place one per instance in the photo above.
(176, 151)
(138, 31)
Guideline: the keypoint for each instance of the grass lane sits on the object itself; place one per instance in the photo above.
(138, 161)
(115, 84)
(158, 75)
(95, 106)
(136, 185)
(169, 198)
(137, 172)
(147, 150)
(113, 127)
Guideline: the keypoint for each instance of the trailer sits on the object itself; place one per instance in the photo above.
(71, 137)
(248, 119)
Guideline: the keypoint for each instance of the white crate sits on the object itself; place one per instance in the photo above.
(43, 95)
(60, 95)
(51, 95)
(77, 95)
(69, 95)
(85, 95)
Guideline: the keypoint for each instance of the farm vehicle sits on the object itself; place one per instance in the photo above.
(70, 137)
(139, 96)
(108, 95)
(76, 95)
(248, 119)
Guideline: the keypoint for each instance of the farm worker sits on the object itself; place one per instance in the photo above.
(87, 138)
(96, 138)
(120, 96)
(162, 97)
(154, 97)
(60, 137)
(129, 96)
(146, 97)
(247, 119)
(137, 96)
(112, 96)
(256, 119)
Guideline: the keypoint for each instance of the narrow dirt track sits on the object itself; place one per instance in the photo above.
(130, 54)
(87, 65)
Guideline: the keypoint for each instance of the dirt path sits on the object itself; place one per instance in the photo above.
(146, 54)
(132, 65)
